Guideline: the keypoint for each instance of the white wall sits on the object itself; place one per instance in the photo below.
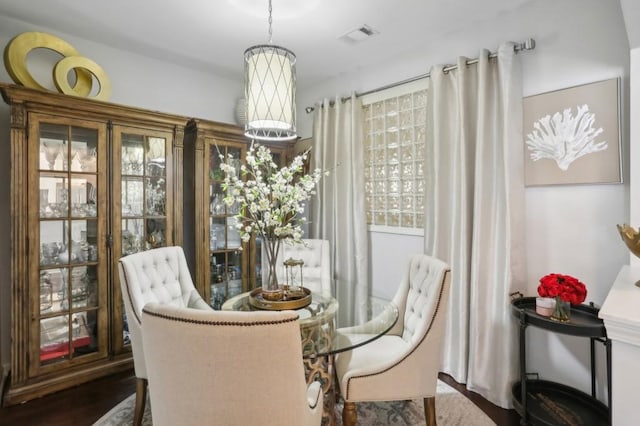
(137, 81)
(144, 82)
(388, 257)
(569, 229)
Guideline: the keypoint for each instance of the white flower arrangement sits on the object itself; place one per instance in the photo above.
(270, 200)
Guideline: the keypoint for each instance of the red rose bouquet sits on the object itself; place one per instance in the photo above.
(566, 287)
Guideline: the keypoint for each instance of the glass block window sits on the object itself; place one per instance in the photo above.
(394, 157)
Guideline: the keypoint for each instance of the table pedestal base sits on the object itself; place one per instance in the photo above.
(321, 369)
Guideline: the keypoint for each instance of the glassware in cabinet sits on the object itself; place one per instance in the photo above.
(141, 218)
(70, 274)
(225, 246)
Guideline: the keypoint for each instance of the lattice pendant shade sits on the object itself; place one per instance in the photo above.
(270, 93)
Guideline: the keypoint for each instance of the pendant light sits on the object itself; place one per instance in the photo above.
(270, 91)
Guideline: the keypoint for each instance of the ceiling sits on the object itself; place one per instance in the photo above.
(631, 12)
(212, 35)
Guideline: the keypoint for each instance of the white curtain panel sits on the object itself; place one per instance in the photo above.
(474, 215)
(337, 212)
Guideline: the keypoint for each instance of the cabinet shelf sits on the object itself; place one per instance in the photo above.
(555, 404)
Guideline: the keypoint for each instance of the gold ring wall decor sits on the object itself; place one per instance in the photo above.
(79, 64)
(15, 61)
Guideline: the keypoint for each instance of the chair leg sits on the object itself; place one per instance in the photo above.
(349, 414)
(141, 399)
(430, 411)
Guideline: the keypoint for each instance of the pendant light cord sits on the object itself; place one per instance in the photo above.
(270, 23)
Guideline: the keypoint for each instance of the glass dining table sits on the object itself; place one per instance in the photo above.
(322, 340)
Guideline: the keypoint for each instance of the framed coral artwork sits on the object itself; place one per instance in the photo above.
(572, 136)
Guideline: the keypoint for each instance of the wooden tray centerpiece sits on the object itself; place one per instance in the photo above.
(291, 299)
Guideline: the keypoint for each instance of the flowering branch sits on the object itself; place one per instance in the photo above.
(271, 200)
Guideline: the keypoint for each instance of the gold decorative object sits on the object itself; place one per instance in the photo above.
(15, 61)
(631, 238)
(78, 64)
(290, 299)
(291, 273)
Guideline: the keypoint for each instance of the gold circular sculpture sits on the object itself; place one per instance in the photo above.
(15, 61)
(631, 238)
(62, 68)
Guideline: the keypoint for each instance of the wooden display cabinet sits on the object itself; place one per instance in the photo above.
(222, 265)
(90, 182)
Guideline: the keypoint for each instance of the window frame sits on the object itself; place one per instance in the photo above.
(386, 97)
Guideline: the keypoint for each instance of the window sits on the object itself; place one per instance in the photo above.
(394, 158)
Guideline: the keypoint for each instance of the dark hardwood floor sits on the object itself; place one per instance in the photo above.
(499, 415)
(77, 406)
(84, 404)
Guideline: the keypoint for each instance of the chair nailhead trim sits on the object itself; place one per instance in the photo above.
(129, 292)
(225, 323)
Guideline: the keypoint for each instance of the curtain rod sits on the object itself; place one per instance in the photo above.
(528, 44)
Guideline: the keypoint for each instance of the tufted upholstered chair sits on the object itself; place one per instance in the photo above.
(161, 276)
(403, 364)
(316, 271)
(227, 368)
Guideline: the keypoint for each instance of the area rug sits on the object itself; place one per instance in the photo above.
(452, 409)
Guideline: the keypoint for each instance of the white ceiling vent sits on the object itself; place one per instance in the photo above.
(358, 35)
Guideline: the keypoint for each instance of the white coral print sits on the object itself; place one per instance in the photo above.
(565, 138)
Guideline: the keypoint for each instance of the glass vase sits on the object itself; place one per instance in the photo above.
(271, 289)
(562, 311)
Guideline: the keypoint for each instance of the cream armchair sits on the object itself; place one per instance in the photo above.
(161, 276)
(316, 271)
(403, 364)
(227, 368)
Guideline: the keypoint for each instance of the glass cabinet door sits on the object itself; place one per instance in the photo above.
(225, 256)
(142, 191)
(69, 289)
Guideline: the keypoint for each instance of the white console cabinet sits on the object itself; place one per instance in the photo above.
(621, 315)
